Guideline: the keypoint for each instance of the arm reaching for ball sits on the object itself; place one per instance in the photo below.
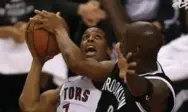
(31, 100)
(72, 54)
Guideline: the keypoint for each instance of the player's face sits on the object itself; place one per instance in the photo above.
(94, 44)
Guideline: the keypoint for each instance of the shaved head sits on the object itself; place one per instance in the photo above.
(143, 36)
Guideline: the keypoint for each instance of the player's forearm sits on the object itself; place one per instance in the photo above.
(30, 96)
(71, 53)
(118, 16)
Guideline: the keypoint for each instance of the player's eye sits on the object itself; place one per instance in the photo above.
(97, 37)
(85, 37)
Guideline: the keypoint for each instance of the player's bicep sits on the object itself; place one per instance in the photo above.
(95, 70)
(163, 97)
(163, 92)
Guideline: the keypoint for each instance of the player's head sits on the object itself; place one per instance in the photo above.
(143, 37)
(94, 44)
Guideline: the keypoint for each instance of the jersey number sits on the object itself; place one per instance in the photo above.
(66, 107)
(110, 109)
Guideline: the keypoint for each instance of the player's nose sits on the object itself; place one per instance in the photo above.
(90, 39)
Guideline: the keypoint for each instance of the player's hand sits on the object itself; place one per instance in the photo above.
(157, 24)
(91, 13)
(50, 21)
(124, 66)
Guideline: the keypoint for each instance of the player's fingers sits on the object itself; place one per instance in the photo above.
(125, 79)
(100, 14)
(45, 12)
(94, 3)
(90, 22)
(35, 20)
(42, 26)
(136, 51)
(58, 14)
(131, 71)
(129, 56)
(41, 13)
(38, 20)
(132, 64)
(122, 73)
(118, 51)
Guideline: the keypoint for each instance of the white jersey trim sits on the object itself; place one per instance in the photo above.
(140, 107)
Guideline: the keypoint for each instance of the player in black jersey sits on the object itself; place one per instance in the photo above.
(153, 93)
(126, 92)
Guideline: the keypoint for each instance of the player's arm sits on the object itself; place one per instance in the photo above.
(117, 15)
(78, 63)
(31, 100)
(72, 54)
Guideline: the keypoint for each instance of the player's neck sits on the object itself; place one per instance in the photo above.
(146, 66)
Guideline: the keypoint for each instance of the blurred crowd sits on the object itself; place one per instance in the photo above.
(15, 58)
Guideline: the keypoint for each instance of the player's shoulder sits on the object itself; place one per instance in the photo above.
(158, 72)
(74, 78)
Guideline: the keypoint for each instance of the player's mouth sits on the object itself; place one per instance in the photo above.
(90, 50)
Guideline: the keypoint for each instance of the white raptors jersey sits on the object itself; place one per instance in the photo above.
(78, 94)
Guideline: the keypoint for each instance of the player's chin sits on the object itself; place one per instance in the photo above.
(92, 57)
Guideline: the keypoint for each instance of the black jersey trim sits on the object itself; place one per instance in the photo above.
(159, 70)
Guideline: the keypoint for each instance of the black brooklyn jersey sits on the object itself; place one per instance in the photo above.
(117, 98)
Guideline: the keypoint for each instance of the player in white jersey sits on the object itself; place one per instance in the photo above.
(98, 70)
(77, 94)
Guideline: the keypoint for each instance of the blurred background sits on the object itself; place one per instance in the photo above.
(15, 58)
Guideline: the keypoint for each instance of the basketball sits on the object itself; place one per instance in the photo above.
(42, 41)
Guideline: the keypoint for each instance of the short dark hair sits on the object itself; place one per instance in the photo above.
(108, 30)
(105, 26)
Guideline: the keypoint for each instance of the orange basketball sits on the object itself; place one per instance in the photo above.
(42, 41)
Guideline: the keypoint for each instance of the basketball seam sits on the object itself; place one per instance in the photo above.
(34, 42)
(46, 50)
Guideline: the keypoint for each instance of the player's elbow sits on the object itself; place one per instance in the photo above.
(74, 62)
(25, 106)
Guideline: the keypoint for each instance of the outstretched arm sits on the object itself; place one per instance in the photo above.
(78, 63)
